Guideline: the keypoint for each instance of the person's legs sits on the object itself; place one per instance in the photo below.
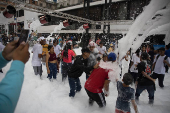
(64, 71)
(151, 92)
(78, 85)
(72, 85)
(51, 71)
(100, 99)
(40, 70)
(35, 70)
(139, 91)
(54, 71)
(160, 80)
(90, 94)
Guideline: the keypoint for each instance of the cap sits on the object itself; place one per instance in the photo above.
(41, 38)
(85, 50)
(112, 57)
(92, 44)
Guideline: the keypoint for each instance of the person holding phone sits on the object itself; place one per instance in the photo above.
(10, 86)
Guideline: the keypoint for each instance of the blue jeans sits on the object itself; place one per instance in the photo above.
(65, 68)
(150, 90)
(53, 70)
(75, 86)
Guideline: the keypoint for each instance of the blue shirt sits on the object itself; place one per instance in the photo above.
(125, 94)
(167, 53)
(10, 86)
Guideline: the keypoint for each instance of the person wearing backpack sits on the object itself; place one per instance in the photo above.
(145, 81)
(160, 62)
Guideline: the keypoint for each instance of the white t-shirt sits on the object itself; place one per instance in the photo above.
(37, 49)
(57, 50)
(101, 50)
(159, 66)
(135, 60)
(1, 47)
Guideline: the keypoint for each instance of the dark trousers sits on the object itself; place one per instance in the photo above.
(37, 70)
(75, 86)
(65, 68)
(160, 78)
(134, 75)
(53, 70)
(98, 97)
(150, 90)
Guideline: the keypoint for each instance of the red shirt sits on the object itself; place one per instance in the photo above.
(95, 82)
(70, 55)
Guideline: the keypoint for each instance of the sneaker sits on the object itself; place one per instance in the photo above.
(151, 101)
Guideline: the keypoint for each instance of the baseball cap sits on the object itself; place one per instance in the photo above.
(85, 50)
(41, 38)
(112, 57)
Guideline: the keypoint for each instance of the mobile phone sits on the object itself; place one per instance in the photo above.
(24, 36)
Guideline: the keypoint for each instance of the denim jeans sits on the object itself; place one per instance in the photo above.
(75, 86)
(65, 68)
(150, 90)
(53, 70)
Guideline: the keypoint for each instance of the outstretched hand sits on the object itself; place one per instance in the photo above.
(21, 53)
(9, 49)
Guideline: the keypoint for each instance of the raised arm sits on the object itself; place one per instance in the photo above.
(10, 86)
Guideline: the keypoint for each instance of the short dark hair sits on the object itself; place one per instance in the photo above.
(144, 56)
(127, 78)
(162, 49)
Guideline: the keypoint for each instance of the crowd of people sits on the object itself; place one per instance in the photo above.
(141, 68)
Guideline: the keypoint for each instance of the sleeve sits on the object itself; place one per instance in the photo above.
(133, 95)
(10, 87)
(3, 61)
(141, 67)
(132, 58)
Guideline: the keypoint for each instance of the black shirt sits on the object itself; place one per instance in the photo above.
(145, 67)
(79, 66)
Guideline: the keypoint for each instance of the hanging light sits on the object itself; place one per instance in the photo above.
(45, 19)
(9, 11)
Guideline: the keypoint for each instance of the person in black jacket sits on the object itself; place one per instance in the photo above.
(79, 66)
(145, 81)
